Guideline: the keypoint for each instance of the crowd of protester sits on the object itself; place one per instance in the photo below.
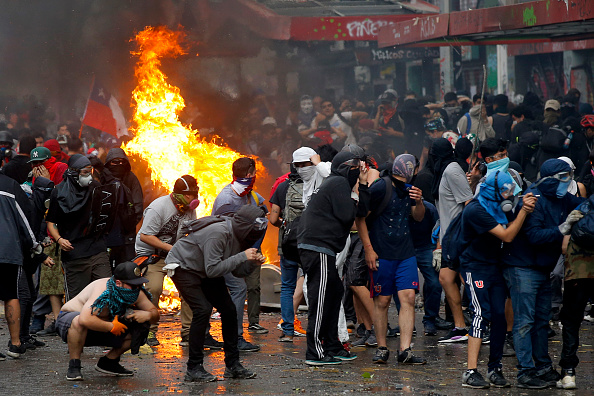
(492, 202)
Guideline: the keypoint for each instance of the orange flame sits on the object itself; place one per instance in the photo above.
(170, 148)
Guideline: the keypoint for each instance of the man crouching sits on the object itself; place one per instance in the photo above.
(92, 319)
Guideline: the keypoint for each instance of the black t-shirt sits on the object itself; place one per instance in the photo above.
(280, 195)
(73, 227)
(483, 247)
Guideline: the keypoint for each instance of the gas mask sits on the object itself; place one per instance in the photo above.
(507, 192)
(85, 180)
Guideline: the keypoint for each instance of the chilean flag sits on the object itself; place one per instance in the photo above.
(103, 112)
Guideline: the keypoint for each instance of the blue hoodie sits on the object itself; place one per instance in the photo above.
(538, 244)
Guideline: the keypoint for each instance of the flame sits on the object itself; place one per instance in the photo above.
(169, 148)
(169, 300)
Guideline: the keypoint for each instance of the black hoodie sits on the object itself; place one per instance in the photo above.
(327, 220)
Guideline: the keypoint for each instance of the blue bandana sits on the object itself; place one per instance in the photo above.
(490, 196)
(116, 298)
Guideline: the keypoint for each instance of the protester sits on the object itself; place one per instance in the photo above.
(56, 150)
(18, 168)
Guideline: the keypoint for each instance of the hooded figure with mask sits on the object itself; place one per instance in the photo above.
(483, 232)
(313, 172)
(390, 254)
(197, 264)
(323, 230)
(529, 261)
(69, 222)
(121, 238)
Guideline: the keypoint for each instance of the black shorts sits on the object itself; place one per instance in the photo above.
(94, 338)
(449, 264)
(357, 272)
(9, 281)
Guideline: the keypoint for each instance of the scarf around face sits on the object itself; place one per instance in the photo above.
(71, 196)
(243, 185)
(118, 299)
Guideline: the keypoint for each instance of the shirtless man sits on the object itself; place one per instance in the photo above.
(92, 319)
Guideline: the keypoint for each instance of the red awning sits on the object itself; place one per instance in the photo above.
(536, 21)
(544, 48)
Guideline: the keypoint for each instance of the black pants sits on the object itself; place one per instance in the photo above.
(27, 296)
(324, 294)
(119, 254)
(201, 295)
(575, 297)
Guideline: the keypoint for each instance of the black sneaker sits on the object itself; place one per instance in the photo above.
(15, 351)
(550, 377)
(326, 360)
(31, 342)
(381, 355)
(361, 330)
(527, 381)
(455, 335)
(407, 357)
(74, 373)
(393, 332)
(199, 374)
(474, 379)
(486, 336)
(238, 372)
(497, 379)
(152, 340)
(441, 324)
(345, 356)
(2, 356)
(257, 329)
(211, 343)
(37, 324)
(361, 342)
(551, 333)
(371, 341)
(112, 367)
(508, 347)
(467, 316)
(430, 329)
(245, 346)
(48, 331)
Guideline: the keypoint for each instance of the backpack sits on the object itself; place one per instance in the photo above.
(468, 124)
(553, 140)
(582, 232)
(453, 245)
(291, 215)
(385, 201)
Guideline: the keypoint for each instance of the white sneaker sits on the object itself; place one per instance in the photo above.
(568, 380)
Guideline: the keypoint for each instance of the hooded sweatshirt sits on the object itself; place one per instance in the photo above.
(538, 245)
(326, 221)
(480, 128)
(218, 249)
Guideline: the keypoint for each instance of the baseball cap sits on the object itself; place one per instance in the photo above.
(269, 121)
(388, 97)
(303, 154)
(552, 104)
(40, 154)
(186, 185)
(130, 273)
(62, 139)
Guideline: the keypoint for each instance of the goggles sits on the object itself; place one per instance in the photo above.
(563, 177)
(507, 191)
(353, 162)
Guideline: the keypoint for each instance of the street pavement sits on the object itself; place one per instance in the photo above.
(279, 366)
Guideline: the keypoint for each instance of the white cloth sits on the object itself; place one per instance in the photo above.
(315, 181)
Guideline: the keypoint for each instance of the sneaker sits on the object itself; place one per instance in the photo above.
(568, 380)
(455, 335)
(381, 355)
(2, 356)
(112, 367)
(497, 379)
(351, 325)
(326, 360)
(589, 318)
(245, 346)
(211, 343)
(74, 373)
(152, 340)
(199, 374)
(31, 342)
(396, 331)
(185, 341)
(371, 341)
(345, 355)
(474, 379)
(407, 357)
(361, 330)
(555, 314)
(430, 329)
(298, 330)
(552, 333)
(15, 351)
(486, 336)
(37, 324)
(550, 377)
(508, 347)
(467, 316)
(441, 324)
(257, 329)
(238, 372)
(285, 338)
(361, 342)
(279, 325)
(527, 381)
(48, 331)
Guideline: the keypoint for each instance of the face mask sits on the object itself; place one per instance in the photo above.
(243, 186)
(306, 106)
(562, 189)
(306, 173)
(182, 203)
(117, 170)
(353, 176)
(499, 165)
(85, 181)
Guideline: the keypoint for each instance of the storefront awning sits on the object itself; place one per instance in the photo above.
(532, 22)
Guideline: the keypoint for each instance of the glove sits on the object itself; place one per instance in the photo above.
(572, 218)
(437, 260)
(118, 327)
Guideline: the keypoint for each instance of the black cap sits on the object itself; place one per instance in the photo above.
(130, 273)
(186, 185)
(388, 97)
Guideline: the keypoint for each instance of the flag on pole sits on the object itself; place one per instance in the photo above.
(103, 112)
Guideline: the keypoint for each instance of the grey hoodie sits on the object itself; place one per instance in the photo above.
(483, 130)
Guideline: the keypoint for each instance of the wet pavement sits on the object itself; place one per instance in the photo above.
(279, 366)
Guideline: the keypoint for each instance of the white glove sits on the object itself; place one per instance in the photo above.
(572, 218)
(436, 260)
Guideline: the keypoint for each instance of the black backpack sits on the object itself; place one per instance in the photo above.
(453, 245)
(582, 232)
(552, 140)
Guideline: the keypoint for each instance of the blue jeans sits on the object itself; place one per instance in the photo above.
(238, 291)
(289, 274)
(431, 285)
(530, 291)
